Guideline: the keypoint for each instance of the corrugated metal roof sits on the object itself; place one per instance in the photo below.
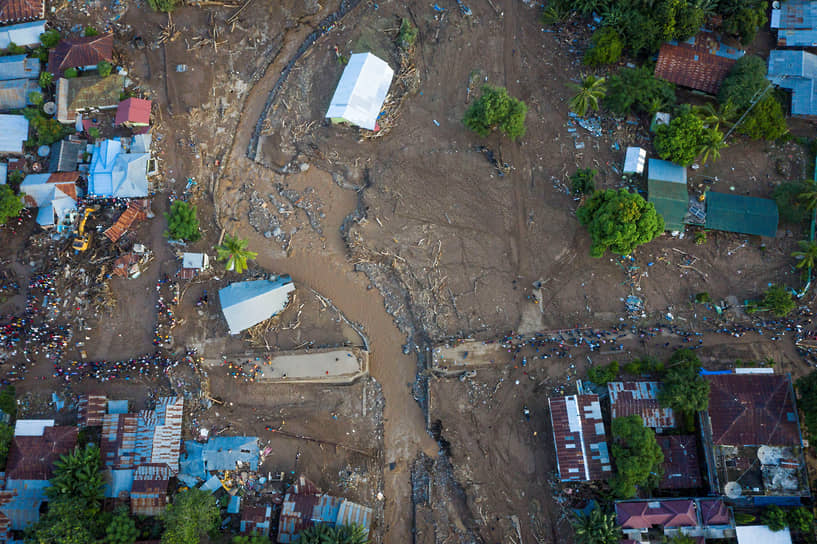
(351, 513)
(117, 407)
(64, 156)
(118, 440)
(256, 519)
(219, 453)
(135, 111)
(13, 132)
(667, 190)
(661, 170)
(14, 93)
(24, 507)
(666, 513)
(796, 71)
(634, 160)
(82, 93)
(580, 438)
(19, 67)
(743, 214)
(301, 511)
(701, 63)
(361, 91)
(247, 303)
(119, 483)
(640, 398)
(211, 485)
(149, 493)
(12, 11)
(796, 22)
(80, 52)
(32, 457)
(32, 427)
(234, 505)
(91, 410)
(25, 34)
(682, 469)
(753, 410)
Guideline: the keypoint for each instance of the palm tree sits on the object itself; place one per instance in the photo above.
(76, 475)
(711, 145)
(591, 91)
(808, 195)
(596, 528)
(807, 254)
(234, 251)
(713, 116)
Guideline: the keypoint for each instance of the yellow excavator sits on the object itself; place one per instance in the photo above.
(83, 239)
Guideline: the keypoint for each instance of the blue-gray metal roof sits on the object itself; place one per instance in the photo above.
(661, 170)
(796, 22)
(191, 463)
(234, 506)
(19, 67)
(117, 407)
(796, 71)
(211, 485)
(247, 303)
(119, 481)
(24, 509)
(219, 453)
(14, 93)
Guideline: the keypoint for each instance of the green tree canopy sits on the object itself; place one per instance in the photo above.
(766, 120)
(496, 109)
(637, 90)
(165, 6)
(619, 221)
(807, 401)
(182, 223)
(50, 38)
(595, 528)
(583, 181)
(686, 138)
(779, 301)
(743, 18)
(192, 514)
(46, 79)
(636, 454)
(252, 539)
(792, 205)
(341, 534)
(104, 68)
(11, 204)
(684, 389)
(807, 256)
(600, 375)
(66, 522)
(122, 529)
(800, 520)
(590, 92)
(606, 49)
(77, 475)
(234, 251)
(746, 78)
(774, 517)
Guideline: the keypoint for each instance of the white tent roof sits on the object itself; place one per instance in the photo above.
(13, 132)
(634, 160)
(761, 534)
(361, 91)
(247, 303)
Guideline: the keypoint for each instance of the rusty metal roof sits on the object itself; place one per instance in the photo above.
(640, 398)
(149, 493)
(580, 438)
(118, 440)
(91, 410)
(80, 52)
(32, 457)
(682, 469)
(256, 519)
(753, 410)
(700, 63)
(17, 11)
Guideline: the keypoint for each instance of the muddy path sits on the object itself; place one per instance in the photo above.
(327, 271)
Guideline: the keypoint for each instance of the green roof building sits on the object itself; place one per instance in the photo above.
(743, 214)
(667, 190)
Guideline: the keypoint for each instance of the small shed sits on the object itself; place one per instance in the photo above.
(743, 214)
(13, 132)
(634, 160)
(361, 91)
(247, 303)
(667, 190)
(660, 118)
(192, 264)
(133, 112)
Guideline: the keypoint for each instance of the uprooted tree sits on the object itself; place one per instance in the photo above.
(619, 221)
(496, 109)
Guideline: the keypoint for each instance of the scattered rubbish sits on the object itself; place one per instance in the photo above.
(181, 68)
(437, 8)
(435, 122)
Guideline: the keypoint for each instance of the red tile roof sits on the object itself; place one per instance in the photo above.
(79, 52)
(580, 438)
(666, 513)
(17, 11)
(131, 214)
(32, 457)
(692, 66)
(64, 177)
(640, 398)
(714, 512)
(682, 469)
(752, 410)
(133, 110)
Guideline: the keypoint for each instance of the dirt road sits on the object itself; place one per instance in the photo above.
(329, 273)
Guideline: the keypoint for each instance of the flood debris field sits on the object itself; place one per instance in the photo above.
(400, 243)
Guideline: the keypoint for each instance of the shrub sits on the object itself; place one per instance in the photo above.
(182, 223)
(70, 72)
(583, 182)
(11, 204)
(774, 517)
(703, 298)
(35, 98)
(701, 237)
(606, 49)
(645, 365)
(50, 38)
(46, 79)
(766, 120)
(91, 31)
(495, 109)
(14, 49)
(636, 90)
(743, 518)
(600, 375)
(407, 34)
(790, 208)
(800, 520)
(619, 221)
(104, 68)
(165, 6)
(779, 301)
(46, 130)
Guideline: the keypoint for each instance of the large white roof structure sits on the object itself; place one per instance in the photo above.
(13, 132)
(361, 91)
(114, 173)
(247, 303)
